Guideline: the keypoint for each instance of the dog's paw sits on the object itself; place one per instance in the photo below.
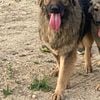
(98, 87)
(89, 69)
(57, 96)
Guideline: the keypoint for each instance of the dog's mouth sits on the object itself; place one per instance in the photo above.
(55, 21)
(56, 12)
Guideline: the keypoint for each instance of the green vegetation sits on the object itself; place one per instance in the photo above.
(10, 71)
(42, 85)
(7, 91)
(44, 49)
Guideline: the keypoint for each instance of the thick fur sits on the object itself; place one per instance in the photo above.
(63, 44)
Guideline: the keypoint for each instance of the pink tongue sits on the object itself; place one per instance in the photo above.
(55, 21)
(99, 32)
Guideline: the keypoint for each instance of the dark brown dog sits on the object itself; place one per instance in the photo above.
(95, 11)
(93, 35)
(60, 22)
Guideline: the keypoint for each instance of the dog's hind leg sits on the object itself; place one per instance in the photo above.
(65, 70)
(87, 42)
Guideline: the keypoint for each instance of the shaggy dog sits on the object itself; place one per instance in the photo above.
(95, 11)
(91, 10)
(60, 27)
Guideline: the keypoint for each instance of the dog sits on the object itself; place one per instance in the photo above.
(95, 30)
(60, 28)
(91, 11)
(93, 34)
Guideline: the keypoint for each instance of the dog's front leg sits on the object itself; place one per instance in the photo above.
(66, 67)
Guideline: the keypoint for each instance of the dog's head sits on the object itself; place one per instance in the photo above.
(95, 11)
(55, 11)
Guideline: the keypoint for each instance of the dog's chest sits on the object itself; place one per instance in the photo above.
(66, 38)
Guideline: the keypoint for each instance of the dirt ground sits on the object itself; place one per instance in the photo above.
(20, 49)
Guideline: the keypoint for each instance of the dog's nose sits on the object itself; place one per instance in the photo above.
(54, 9)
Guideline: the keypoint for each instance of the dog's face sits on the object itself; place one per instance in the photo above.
(55, 11)
(95, 11)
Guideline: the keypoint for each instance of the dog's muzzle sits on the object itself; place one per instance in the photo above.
(56, 8)
(55, 12)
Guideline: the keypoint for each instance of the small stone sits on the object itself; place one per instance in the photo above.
(34, 96)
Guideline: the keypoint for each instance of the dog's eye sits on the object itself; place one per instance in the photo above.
(96, 9)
